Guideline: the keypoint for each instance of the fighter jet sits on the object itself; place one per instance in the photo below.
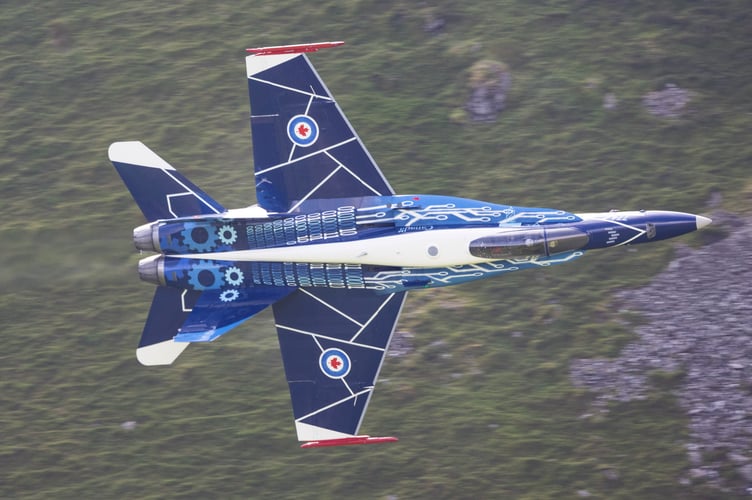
(330, 246)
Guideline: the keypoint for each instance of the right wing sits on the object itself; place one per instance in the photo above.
(303, 145)
(333, 343)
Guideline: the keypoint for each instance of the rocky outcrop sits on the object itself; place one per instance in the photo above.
(698, 335)
(489, 83)
(671, 102)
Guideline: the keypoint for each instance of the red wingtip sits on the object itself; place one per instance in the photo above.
(293, 49)
(349, 441)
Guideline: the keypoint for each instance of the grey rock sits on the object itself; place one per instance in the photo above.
(671, 102)
(490, 82)
(737, 458)
(698, 320)
(698, 473)
(611, 474)
(401, 344)
(434, 24)
(716, 199)
(746, 472)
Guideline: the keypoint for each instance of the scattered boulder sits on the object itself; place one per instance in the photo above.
(60, 36)
(129, 425)
(609, 101)
(671, 102)
(746, 472)
(401, 344)
(434, 24)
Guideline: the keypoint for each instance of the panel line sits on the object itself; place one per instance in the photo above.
(372, 317)
(330, 306)
(335, 339)
(305, 157)
(333, 404)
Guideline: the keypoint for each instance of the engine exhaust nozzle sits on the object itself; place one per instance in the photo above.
(151, 269)
(146, 237)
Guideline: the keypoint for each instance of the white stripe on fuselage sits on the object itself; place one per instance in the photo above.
(406, 249)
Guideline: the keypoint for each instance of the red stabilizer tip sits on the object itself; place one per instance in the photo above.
(349, 441)
(293, 49)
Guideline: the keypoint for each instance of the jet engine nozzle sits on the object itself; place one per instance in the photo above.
(146, 237)
(151, 269)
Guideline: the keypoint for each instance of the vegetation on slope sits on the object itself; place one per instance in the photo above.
(483, 404)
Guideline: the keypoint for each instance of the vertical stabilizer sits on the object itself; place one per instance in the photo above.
(160, 191)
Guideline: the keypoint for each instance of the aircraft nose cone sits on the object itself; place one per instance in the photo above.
(702, 221)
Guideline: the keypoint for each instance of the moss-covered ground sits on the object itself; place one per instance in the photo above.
(483, 406)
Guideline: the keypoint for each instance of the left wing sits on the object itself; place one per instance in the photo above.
(303, 146)
(333, 343)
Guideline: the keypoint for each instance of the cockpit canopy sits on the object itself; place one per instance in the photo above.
(529, 242)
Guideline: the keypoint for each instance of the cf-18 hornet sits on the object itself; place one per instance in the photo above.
(330, 246)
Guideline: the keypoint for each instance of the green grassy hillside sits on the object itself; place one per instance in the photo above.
(483, 405)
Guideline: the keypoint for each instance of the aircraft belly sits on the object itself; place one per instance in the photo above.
(329, 246)
(447, 247)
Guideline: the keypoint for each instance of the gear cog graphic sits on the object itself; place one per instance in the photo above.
(198, 237)
(234, 276)
(204, 276)
(227, 234)
(229, 295)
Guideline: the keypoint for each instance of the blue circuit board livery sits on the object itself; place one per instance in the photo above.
(329, 246)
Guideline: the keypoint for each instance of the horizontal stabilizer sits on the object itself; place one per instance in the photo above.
(160, 191)
(217, 312)
(163, 353)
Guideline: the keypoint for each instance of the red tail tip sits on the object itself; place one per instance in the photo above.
(293, 49)
(349, 441)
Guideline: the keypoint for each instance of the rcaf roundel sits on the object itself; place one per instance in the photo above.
(334, 363)
(302, 130)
